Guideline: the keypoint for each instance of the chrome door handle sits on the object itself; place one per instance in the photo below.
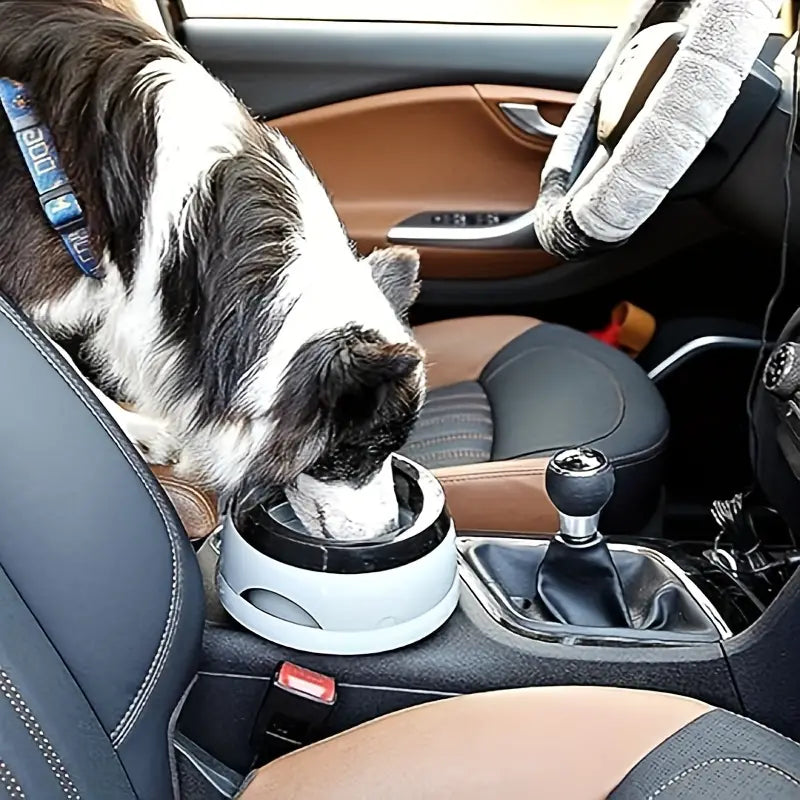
(527, 118)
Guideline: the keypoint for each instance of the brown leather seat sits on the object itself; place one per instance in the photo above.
(505, 392)
(570, 743)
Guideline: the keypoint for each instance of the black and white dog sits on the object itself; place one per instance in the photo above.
(234, 315)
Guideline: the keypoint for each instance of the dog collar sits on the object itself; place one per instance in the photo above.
(56, 195)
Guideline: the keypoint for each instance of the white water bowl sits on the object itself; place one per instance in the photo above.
(343, 598)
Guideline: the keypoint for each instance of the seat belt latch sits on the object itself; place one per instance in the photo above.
(297, 703)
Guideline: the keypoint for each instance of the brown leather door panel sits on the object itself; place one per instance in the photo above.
(387, 157)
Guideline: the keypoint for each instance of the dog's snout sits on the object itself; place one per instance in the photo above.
(337, 510)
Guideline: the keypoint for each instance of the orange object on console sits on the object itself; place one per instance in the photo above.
(631, 329)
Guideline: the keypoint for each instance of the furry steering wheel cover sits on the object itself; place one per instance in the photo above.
(722, 41)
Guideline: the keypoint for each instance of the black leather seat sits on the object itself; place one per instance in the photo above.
(101, 593)
(507, 392)
(100, 631)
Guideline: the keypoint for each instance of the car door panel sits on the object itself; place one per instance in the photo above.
(391, 156)
(403, 118)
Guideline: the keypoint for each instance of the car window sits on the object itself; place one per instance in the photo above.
(605, 13)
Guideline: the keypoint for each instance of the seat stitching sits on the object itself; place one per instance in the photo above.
(651, 451)
(10, 783)
(703, 764)
(486, 476)
(137, 704)
(43, 744)
(426, 423)
(467, 452)
(191, 493)
(450, 437)
(431, 435)
(484, 379)
(478, 395)
(451, 453)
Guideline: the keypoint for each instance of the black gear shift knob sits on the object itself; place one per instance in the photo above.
(577, 580)
(579, 482)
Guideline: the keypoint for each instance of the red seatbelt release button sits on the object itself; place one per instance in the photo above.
(306, 682)
(296, 706)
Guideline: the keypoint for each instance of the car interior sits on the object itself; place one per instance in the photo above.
(666, 361)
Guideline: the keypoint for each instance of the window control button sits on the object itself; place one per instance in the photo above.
(463, 219)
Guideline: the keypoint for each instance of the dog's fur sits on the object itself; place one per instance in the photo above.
(257, 347)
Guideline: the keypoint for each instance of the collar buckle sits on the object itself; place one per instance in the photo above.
(62, 209)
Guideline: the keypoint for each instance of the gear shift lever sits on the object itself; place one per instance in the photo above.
(579, 483)
(577, 579)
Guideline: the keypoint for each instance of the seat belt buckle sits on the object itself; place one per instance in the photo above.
(297, 703)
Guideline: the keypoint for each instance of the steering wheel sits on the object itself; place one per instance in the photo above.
(655, 98)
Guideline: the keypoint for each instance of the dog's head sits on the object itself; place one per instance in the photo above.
(349, 401)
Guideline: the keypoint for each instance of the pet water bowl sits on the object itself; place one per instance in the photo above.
(344, 598)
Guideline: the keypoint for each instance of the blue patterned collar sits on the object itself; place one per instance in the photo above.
(56, 195)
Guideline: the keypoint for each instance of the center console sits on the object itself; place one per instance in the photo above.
(680, 617)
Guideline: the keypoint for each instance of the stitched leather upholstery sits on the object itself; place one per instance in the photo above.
(454, 427)
(101, 593)
(719, 754)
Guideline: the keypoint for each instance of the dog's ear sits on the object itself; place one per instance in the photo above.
(396, 271)
(359, 373)
(336, 380)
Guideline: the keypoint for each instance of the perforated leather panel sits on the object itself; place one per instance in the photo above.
(718, 755)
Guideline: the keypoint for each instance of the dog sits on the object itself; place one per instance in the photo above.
(234, 314)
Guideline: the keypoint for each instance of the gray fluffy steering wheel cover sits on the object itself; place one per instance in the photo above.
(722, 41)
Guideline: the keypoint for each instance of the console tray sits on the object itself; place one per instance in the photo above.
(501, 572)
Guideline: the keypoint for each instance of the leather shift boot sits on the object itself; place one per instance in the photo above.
(581, 586)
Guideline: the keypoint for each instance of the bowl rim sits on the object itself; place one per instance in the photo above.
(274, 540)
